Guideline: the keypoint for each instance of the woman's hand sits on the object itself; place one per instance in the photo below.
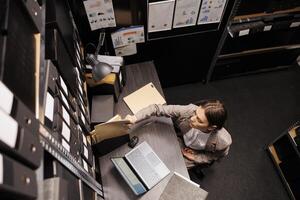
(188, 153)
(132, 119)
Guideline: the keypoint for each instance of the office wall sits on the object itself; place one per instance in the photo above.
(179, 60)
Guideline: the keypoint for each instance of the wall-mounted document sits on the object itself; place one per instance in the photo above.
(100, 13)
(127, 36)
(160, 15)
(211, 11)
(186, 13)
(143, 97)
(126, 50)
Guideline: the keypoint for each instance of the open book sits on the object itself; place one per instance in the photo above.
(179, 188)
(114, 127)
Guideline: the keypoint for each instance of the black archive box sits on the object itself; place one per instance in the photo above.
(19, 182)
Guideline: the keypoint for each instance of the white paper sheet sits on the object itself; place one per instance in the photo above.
(66, 115)
(66, 132)
(65, 145)
(9, 129)
(63, 85)
(100, 13)
(49, 108)
(85, 152)
(126, 50)
(7, 97)
(1, 169)
(127, 36)
(186, 13)
(211, 11)
(160, 15)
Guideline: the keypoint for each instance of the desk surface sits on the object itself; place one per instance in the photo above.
(159, 134)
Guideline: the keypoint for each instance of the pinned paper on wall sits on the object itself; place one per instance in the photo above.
(186, 13)
(127, 36)
(211, 11)
(100, 13)
(160, 15)
(126, 50)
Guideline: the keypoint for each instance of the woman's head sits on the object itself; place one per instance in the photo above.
(210, 115)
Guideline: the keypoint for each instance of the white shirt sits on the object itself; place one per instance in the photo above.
(195, 139)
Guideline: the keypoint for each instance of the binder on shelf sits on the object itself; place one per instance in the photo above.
(55, 50)
(16, 180)
(52, 77)
(66, 105)
(18, 142)
(86, 149)
(14, 107)
(63, 90)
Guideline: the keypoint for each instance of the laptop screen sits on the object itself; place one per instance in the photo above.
(131, 179)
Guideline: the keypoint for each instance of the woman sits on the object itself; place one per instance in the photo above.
(201, 128)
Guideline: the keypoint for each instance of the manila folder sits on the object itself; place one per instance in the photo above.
(143, 97)
(114, 127)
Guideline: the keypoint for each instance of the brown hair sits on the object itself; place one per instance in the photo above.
(215, 112)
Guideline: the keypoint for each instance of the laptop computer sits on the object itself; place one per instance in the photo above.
(141, 168)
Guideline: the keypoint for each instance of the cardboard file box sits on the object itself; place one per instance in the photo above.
(18, 181)
(107, 86)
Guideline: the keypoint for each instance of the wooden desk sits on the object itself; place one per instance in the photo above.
(159, 134)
